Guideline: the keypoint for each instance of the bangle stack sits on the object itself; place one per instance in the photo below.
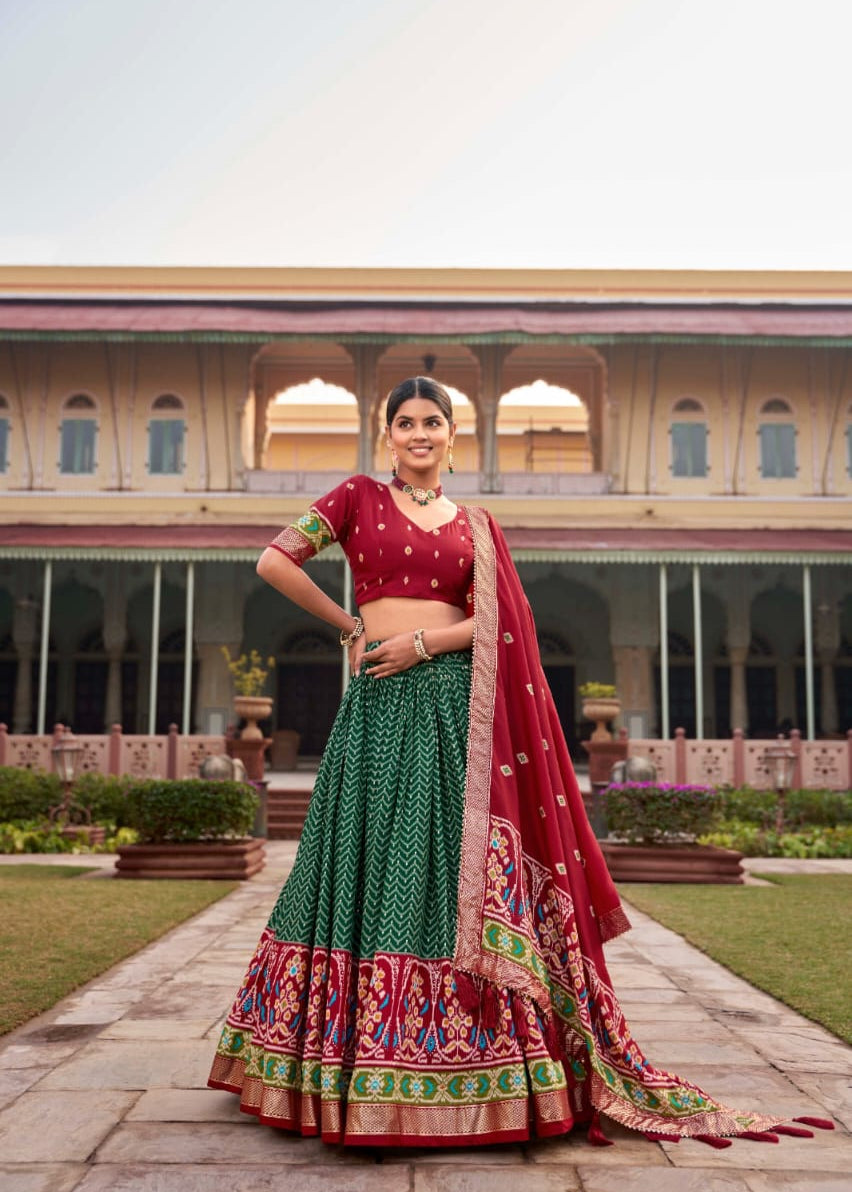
(419, 648)
(349, 639)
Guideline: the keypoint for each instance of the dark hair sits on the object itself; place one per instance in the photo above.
(419, 387)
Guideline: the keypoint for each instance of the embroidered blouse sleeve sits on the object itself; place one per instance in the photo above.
(328, 520)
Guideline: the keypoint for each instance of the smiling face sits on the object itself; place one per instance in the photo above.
(420, 434)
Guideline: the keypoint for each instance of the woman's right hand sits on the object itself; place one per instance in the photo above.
(356, 654)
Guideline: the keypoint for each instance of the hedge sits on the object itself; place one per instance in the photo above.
(181, 810)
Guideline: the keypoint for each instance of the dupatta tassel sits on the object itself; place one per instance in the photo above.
(793, 1131)
(490, 1009)
(759, 1136)
(596, 1134)
(551, 1038)
(519, 1017)
(467, 991)
(656, 1136)
(817, 1123)
(713, 1140)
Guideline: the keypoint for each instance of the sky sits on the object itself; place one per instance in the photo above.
(412, 133)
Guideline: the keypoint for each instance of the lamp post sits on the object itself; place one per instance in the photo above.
(780, 762)
(66, 754)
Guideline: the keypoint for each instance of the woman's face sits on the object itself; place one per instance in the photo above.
(420, 434)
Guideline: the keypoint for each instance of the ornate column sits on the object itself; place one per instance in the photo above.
(634, 637)
(365, 358)
(827, 644)
(24, 633)
(219, 622)
(115, 640)
(490, 357)
(737, 640)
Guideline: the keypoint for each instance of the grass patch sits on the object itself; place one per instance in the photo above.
(791, 939)
(58, 933)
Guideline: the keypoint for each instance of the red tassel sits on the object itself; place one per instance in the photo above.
(759, 1135)
(596, 1134)
(793, 1131)
(519, 1016)
(465, 988)
(712, 1140)
(654, 1136)
(817, 1123)
(551, 1038)
(491, 1009)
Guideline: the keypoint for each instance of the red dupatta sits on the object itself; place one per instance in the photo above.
(535, 899)
(520, 777)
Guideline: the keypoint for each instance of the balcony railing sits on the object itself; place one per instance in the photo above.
(461, 484)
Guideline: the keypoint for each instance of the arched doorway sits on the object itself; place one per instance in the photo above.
(309, 686)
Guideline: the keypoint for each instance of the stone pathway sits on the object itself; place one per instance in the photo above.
(105, 1093)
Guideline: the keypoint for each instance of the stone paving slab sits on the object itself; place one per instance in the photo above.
(114, 1078)
(50, 1126)
(214, 1177)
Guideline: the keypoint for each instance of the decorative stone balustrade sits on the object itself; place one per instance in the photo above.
(139, 755)
(820, 765)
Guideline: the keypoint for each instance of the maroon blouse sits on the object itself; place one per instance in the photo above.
(389, 554)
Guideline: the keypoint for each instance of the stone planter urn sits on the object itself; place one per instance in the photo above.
(252, 708)
(603, 711)
(692, 863)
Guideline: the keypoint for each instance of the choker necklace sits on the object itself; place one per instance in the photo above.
(421, 496)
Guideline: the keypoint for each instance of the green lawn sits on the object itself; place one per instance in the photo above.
(792, 938)
(57, 930)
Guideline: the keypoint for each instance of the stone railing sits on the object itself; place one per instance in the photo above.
(820, 765)
(138, 755)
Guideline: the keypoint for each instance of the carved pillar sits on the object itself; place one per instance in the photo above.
(115, 640)
(365, 358)
(490, 357)
(24, 632)
(261, 428)
(738, 696)
(219, 622)
(634, 638)
(827, 625)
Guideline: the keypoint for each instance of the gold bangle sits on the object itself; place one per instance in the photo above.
(349, 639)
(419, 648)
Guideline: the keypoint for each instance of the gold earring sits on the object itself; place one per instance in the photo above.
(394, 462)
(450, 459)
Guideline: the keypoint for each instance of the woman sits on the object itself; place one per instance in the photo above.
(433, 970)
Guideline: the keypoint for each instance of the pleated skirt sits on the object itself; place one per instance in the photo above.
(348, 1024)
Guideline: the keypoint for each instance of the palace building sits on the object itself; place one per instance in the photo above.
(669, 454)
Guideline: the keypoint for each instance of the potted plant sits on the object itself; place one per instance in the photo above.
(601, 704)
(191, 828)
(653, 831)
(249, 674)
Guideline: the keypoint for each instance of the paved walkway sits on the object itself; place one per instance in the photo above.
(105, 1093)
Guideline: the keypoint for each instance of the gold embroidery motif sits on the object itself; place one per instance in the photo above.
(507, 637)
(506, 771)
(522, 758)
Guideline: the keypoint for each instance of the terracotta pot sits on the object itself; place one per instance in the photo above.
(252, 708)
(602, 710)
(693, 863)
(226, 860)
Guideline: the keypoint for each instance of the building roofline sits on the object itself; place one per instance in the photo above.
(239, 284)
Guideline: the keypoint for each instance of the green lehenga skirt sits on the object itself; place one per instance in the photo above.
(348, 1023)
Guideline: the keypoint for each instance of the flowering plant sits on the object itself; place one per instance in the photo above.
(597, 690)
(660, 812)
(248, 672)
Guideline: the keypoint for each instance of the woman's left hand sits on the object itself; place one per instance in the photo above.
(394, 655)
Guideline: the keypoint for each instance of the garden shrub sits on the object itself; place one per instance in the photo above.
(181, 810)
(104, 795)
(755, 841)
(747, 805)
(660, 812)
(27, 794)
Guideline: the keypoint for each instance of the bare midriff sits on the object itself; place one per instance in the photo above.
(400, 614)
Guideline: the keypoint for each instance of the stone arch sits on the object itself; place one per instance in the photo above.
(580, 369)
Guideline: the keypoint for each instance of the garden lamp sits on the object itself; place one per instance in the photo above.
(780, 762)
(66, 755)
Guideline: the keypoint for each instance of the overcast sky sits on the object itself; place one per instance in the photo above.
(540, 133)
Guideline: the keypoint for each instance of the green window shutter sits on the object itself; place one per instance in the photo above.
(689, 449)
(777, 450)
(77, 451)
(165, 446)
